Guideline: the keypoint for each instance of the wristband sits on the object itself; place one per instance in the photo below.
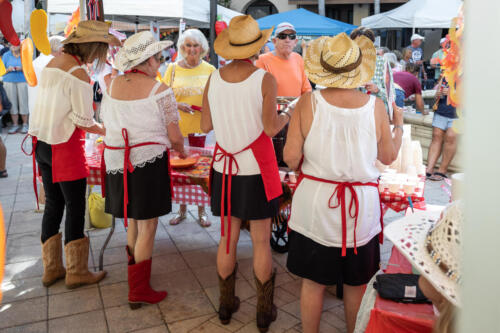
(400, 127)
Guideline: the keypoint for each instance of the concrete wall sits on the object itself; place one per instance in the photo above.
(281, 5)
(360, 11)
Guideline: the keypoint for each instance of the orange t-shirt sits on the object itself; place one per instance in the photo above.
(289, 74)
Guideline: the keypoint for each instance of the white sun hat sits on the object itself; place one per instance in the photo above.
(433, 246)
(138, 48)
(416, 36)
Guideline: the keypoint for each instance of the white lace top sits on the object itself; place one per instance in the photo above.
(63, 101)
(146, 120)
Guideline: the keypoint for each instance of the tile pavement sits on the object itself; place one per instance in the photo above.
(183, 264)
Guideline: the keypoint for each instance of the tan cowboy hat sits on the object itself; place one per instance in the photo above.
(137, 49)
(92, 31)
(433, 246)
(340, 62)
(242, 39)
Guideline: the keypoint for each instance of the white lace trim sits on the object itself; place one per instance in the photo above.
(139, 165)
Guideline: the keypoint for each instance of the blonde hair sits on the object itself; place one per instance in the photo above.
(195, 35)
(445, 323)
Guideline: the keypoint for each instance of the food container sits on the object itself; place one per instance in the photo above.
(394, 186)
(409, 188)
(282, 175)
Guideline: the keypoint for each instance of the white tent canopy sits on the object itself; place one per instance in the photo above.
(164, 12)
(416, 14)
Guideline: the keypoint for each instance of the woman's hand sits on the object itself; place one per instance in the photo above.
(184, 107)
(372, 87)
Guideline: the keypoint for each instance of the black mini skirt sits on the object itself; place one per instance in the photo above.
(148, 191)
(248, 197)
(325, 265)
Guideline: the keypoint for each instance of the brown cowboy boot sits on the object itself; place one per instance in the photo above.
(229, 303)
(266, 310)
(53, 268)
(77, 257)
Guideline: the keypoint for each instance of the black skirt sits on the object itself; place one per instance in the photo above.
(325, 265)
(248, 197)
(148, 191)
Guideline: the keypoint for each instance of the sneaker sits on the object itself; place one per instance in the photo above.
(24, 129)
(13, 129)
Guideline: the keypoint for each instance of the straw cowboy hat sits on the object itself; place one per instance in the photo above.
(92, 31)
(242, 39)
(433, 248)
(137, 49)
(340, 62)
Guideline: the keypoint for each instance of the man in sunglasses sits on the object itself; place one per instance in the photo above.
(286, 66)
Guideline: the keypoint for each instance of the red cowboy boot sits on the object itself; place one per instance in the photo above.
(140, 291)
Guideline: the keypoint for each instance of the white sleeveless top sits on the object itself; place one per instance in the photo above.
(146, 120)
(63, 102)
(236, 110)
(340, 146)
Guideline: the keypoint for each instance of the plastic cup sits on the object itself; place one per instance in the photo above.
(409, 188)
(292, 177)
(394, 186)
(197, 140)
(282, 175)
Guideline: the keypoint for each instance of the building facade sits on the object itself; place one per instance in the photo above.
(349, 11)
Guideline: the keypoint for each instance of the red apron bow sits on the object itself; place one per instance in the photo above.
(339, 194)
(263, 151)
(127, 167)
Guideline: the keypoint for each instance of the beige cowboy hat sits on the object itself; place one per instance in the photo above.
(340, 62)
(242, 39)
(137, 49)
(433, 246)
(92, 31)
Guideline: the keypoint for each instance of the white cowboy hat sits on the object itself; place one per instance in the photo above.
(340, 62)
(433, 246)
(138, 48)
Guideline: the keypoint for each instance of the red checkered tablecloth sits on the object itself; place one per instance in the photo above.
(399, 201)
(190, 185)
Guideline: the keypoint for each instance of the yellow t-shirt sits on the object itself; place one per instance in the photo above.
(188, 88)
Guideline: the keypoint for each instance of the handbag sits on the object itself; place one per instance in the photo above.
(401, 288)
(98, 218)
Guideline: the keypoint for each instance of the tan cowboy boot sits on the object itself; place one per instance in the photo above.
(77, 257)
(229, 303)
(266, 310)
(53, 268)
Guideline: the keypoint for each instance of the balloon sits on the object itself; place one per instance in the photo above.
(38, 26)
(27, 61)
(72, 22)
(2, 68)
(220, 26)
(6, 23)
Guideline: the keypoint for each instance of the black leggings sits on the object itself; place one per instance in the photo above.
(59, 195)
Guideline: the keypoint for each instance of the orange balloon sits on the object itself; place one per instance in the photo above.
(27, 61)
(2, 249)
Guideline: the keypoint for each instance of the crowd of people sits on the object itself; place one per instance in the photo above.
(335, 135)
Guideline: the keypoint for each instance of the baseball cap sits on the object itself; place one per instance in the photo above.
(442, 40)
(416, 36)
(284, 26)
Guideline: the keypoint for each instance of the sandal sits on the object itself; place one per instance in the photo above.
(438, 176)
(4, 174)
(203, 219)
(178, 218)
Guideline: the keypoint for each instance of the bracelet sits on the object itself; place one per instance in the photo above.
(285, 112)
(400, 127)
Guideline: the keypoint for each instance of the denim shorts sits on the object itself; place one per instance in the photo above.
(442, 122)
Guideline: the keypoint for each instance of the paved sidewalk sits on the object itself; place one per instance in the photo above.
(183, 264)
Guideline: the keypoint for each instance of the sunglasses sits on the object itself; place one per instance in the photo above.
(284, 36)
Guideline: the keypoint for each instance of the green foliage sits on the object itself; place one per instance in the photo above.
(225, 3)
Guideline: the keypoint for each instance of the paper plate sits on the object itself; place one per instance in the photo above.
(183, 163)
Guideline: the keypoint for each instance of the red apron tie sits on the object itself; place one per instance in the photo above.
(127, 167)
(34, 141)
(339, 194)
(220, 154)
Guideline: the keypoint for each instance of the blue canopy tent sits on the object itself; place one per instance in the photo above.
(307, 23)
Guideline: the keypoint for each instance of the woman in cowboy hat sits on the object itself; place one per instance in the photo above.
(436, 253)
(339, 132)
(62, 114)
(239, 104)
(141, 119)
